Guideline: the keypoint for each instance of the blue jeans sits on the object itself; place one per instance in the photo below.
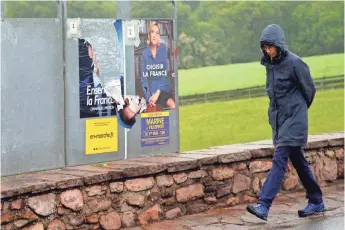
(276, 175)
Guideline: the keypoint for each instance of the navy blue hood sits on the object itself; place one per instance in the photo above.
(274, 34)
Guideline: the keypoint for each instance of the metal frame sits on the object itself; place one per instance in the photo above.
(34, 116)
(123, 11)
(135, 149)
(2, 10)
(174, 2)
(62, 15)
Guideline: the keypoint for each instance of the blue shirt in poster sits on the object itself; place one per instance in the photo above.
(155, 71)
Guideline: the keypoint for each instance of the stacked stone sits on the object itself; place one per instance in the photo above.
(142, 200)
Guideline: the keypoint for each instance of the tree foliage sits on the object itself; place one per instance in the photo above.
(220, 32)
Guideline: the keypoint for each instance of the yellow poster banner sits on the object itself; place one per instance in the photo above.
(101, 135)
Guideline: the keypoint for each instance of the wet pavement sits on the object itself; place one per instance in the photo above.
(283, 215)
(332, 223)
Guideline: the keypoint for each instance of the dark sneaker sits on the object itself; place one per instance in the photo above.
(259, 210)
(312, 209)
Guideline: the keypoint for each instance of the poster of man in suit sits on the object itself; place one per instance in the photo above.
(101, 80)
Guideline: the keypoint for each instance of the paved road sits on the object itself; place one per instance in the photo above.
(283, 215)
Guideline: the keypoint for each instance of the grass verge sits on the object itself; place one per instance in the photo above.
(236, 76)
(241, 121)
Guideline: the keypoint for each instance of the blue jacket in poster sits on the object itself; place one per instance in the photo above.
(155, 71)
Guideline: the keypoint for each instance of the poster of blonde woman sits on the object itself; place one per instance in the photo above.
(154, 65)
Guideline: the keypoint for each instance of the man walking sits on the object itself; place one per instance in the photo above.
(291, 91)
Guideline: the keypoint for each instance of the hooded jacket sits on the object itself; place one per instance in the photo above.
(290, 89)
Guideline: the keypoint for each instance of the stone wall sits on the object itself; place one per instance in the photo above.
(140, 191)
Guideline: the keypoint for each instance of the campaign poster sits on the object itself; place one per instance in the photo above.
(101, 63)
(154, 129)
(154, 65)
(101, 135)
(101, 73)
(93, 75)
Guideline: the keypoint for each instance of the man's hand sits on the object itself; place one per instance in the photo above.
(153, 99)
